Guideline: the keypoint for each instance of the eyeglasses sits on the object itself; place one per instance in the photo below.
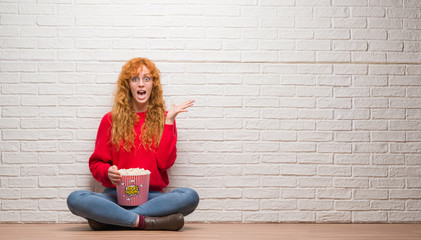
(146, 79)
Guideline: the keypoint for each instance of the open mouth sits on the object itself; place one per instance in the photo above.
(141, 93)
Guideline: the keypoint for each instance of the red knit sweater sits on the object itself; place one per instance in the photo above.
(157, 161)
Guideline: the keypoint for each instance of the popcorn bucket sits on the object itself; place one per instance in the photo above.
(133, 190)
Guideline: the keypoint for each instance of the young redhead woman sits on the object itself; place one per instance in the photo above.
(137, 133)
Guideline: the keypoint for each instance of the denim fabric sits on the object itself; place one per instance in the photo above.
(103, 207)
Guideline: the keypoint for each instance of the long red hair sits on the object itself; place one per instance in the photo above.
(124, 117)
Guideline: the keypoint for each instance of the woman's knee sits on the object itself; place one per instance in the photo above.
(74, 199)
(190, 196)
(194, 196)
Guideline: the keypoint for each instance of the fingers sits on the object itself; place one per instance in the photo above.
(114, 175)
(115, 179)
(189, 102)
(113, 168)
(185, 105)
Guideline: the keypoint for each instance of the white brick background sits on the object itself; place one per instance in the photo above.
(306, 110)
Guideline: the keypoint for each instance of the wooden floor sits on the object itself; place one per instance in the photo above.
(219, 231)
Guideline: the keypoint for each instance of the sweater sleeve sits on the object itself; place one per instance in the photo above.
(101, 159)
(167, 151)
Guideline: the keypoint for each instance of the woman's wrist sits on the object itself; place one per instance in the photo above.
(169, 121)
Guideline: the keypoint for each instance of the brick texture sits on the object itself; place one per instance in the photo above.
(306, 111)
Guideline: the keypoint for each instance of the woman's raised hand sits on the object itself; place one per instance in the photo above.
(175, 110)
(114, 174)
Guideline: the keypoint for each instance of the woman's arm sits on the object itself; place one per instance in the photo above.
(167, 151)
(101, 160)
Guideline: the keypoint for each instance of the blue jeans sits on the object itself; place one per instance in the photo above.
(103, 207)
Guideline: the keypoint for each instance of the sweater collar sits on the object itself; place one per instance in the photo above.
(140, 114)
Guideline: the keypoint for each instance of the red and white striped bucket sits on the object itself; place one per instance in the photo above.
(133, 190)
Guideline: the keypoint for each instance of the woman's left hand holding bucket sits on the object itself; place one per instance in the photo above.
(114, 174)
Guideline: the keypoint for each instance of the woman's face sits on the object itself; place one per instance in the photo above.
(141, 88)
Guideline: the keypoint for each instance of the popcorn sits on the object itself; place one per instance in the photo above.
(134, 171)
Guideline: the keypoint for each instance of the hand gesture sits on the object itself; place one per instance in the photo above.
(114, 174)
(175, 110)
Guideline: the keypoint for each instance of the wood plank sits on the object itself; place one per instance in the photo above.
(219, 231)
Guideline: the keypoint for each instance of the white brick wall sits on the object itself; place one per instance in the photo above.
(306, 111)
